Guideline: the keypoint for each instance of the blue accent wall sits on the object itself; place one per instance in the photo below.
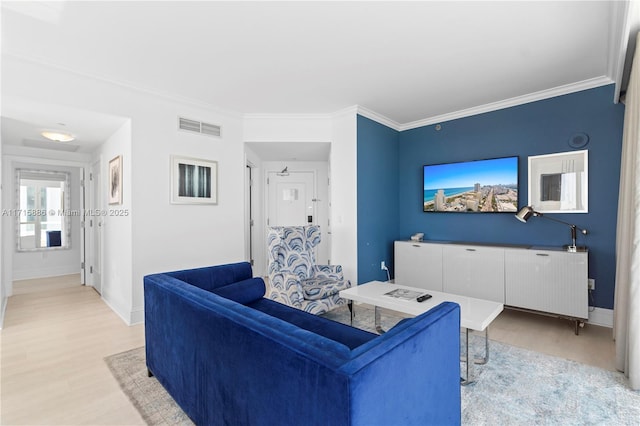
(542, 127)
(377, 198)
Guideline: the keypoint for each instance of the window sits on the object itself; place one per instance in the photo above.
(43, 198)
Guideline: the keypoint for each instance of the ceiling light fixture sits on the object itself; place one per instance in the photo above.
(57, 136)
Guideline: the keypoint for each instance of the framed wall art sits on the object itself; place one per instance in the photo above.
(194, 181)
(559, 183)
(115, 180)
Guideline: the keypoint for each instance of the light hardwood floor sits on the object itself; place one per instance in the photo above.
(54, 339)
(57, 333)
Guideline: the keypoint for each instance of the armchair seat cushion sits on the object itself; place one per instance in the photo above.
(321, 287)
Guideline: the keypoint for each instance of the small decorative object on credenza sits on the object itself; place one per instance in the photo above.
(417, 237)
(526, 212)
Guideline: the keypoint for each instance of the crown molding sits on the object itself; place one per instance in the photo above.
(379, 118)
(126, 85)
(508, 103)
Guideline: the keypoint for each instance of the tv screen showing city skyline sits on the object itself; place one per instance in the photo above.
(482, 186)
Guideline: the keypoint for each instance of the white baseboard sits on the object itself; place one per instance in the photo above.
(119, 310)
(45, 272)
(137, 316)
(133, 317)
(600, 316)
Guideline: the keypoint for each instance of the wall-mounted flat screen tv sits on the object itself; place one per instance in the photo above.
(482, 186)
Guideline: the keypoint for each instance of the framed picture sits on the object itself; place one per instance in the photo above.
(559, 183)
(194, 181)
(115, 180)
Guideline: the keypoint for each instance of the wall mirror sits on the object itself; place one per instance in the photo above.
(559, 183)
(42, 210)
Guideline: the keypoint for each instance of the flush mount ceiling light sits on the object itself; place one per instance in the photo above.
(57, 136)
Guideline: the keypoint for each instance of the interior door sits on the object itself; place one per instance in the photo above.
(95, 228)
(291, 198)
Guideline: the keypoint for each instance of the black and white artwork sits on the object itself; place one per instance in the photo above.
(193, 181)
(115, 180)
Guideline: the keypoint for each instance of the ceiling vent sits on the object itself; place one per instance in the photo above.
(199, 127)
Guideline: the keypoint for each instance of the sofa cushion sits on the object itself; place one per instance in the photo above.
(243, 292)
(349, 336)
(321, 287)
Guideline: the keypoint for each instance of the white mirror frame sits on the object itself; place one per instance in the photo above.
(559, 183)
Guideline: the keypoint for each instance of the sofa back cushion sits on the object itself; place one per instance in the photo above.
(243, 292)
(213, 277)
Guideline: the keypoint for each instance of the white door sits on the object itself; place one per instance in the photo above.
(291, 198)
(94, 219)
(291, 201)
(83, 233)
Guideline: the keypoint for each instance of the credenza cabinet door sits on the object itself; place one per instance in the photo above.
(474, 271)
(548, 281)
(418, 265)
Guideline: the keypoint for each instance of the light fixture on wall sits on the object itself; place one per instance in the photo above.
(57, 136)
(284, 172)
(526, 212)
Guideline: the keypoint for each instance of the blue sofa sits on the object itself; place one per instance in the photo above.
(227, 355)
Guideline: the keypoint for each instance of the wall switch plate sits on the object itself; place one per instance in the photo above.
(592, 283)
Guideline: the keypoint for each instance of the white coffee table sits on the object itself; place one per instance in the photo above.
(475, 314)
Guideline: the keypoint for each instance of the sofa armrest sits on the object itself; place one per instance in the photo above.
(414, 367)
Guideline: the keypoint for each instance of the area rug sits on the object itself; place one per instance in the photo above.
(516, 387)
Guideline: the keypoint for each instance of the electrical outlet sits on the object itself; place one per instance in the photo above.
(382, 266)
(592, 284)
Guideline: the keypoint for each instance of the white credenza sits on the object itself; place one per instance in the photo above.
(544, 279)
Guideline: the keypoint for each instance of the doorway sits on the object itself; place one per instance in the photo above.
(291, 198)
(94, 225)
(297, 197)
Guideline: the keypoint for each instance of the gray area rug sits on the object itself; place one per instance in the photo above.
(516, 387)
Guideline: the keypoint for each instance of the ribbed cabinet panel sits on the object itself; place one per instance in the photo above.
(418, 264)
(474, 271)
(548, 281)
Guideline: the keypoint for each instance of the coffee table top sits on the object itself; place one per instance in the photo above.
(475, 314)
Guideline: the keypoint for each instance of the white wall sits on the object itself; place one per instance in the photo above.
(163, 236)
(344, 208)
(3, 297)
(287, 128)
(116, 222)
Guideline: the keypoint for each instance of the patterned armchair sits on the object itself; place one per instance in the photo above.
(294, 277)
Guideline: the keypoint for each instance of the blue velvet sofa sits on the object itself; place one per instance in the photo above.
(229, 356)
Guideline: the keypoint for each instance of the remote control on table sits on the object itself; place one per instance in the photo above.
(423, 297)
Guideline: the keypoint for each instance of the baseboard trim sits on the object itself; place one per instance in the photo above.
(122, 313)
(600, 316)
(137, 316)
(129, 317)
(44, 273)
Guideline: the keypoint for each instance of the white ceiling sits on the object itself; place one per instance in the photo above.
(409, 62)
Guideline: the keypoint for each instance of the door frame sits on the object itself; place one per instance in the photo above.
(92, 223)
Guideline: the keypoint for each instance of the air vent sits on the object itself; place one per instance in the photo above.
(199, 127)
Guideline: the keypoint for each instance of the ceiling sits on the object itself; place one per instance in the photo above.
(407, 62)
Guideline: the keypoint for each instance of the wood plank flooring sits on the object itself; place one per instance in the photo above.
(56, 334)
(53, 345)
